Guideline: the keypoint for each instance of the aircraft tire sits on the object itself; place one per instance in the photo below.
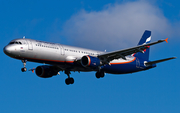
(98, 75)
(69, 81)
(24, 69)
(102, 74)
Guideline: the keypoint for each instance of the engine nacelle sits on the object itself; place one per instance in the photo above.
(45, 71)
(90, 61)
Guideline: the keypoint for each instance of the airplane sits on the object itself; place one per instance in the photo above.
(58, 57)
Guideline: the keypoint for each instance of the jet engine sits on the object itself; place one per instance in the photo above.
(90, 61)
(45, 71)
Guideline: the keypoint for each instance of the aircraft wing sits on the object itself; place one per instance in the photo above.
(107, 57)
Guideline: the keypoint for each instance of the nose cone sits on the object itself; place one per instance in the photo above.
(7, 50)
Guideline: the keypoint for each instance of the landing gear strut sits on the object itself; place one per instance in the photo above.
(69, 80)
(24, 69)
(100, 74)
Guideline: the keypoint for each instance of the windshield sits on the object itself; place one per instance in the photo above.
(15, 42)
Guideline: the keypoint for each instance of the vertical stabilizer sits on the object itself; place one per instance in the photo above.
(146, 38)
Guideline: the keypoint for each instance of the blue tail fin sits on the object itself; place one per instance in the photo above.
(146, 38)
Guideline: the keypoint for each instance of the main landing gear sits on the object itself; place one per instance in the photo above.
(69, 80)
(100, 74)
(24, 69)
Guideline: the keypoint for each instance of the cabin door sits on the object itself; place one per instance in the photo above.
(61, 50)
(137, 63)
(30, 45)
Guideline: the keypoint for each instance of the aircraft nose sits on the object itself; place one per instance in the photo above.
(7, 49)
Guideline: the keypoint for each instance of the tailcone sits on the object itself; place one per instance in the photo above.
(150, 66)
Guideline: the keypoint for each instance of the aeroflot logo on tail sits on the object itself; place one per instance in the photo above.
(148, 40)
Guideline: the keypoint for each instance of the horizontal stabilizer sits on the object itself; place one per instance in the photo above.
(158, 61)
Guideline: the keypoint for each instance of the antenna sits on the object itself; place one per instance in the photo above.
(23, 37)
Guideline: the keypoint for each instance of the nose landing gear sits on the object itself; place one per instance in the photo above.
(24, 69)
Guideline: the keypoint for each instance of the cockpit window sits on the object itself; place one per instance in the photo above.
(11, 43)
(15, 42)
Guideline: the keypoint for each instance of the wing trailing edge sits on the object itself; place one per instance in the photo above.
(125, 52)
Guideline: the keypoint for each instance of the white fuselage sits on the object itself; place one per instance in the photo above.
(52, 53)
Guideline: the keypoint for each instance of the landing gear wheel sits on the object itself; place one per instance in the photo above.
(69, 81)
(100, 74)
(97, 75)
(24, 69)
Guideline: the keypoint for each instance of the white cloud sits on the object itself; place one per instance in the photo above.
(117, 26)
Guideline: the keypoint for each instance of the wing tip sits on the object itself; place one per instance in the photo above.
(174, 57)
(166, 40)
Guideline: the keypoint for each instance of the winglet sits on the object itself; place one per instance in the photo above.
(166, 40)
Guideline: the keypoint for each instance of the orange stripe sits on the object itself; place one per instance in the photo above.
(89, 60)
(124, 62)
(69, 61)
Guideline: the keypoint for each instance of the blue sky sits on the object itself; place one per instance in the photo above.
(103, 24)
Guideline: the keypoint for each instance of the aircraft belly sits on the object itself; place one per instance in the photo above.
(121, 68)
(71, 67)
